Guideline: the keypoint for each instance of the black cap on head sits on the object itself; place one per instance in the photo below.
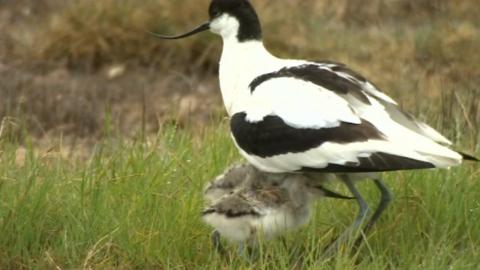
(243, 11)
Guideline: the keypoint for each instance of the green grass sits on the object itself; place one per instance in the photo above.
(136, 204)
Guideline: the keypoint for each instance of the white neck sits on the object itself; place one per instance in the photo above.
(242, 62)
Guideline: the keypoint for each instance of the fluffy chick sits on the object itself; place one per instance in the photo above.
(244, 203)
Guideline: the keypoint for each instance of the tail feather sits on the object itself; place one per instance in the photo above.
(469, 157)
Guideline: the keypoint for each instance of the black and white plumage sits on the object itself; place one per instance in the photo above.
(309, 116)
(314, 116)
(296, 115)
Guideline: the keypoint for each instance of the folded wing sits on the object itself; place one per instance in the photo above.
(325, 117)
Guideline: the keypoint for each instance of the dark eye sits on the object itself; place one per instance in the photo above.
(215, 13)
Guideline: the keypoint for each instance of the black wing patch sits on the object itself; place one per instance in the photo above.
(344, 69)
(321, 76)
(377, 162)
(272, 136)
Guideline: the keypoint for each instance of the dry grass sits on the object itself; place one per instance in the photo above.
(97, 32)
(423, 53)
(90, 34)
(62, 102)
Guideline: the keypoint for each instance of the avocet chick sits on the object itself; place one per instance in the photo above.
(245, 203)
(231, 180)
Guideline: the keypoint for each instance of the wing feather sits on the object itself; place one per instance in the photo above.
(327, 117)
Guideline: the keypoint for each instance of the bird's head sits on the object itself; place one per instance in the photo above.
(231, 19)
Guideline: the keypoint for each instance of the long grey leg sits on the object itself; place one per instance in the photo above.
(363, 210)
(352, 231)
(385, 198)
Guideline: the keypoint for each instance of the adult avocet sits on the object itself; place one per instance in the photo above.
(298, 115)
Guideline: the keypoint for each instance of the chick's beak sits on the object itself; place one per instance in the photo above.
(203, 27)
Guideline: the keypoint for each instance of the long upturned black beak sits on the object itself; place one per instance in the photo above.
(201, 28)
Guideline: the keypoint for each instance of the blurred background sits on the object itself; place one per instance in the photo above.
(68, 69)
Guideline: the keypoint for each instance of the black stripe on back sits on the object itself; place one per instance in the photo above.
(344, 69)
(319, 76)
(377, 162)
(272, 136)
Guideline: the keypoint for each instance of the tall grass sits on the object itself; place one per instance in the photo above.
(136, 205)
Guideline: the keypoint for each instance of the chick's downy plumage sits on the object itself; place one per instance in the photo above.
(245, 203)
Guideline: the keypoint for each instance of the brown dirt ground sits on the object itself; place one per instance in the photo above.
(50, 100)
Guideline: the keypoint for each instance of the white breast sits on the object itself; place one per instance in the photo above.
(239, 65)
